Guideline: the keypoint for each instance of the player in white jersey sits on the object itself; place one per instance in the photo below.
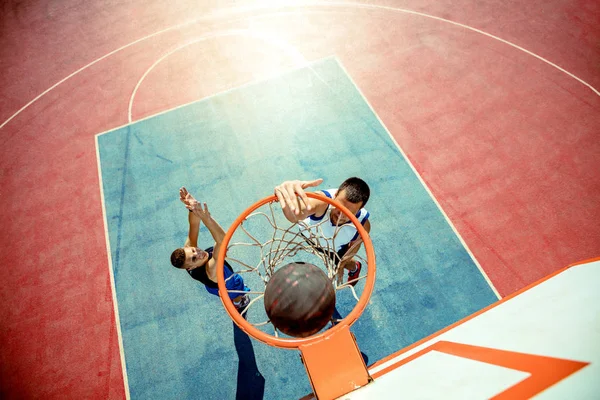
(337, 231)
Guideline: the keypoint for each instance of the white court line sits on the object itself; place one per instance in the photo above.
(422, 182)
(305, 64)
(284, 46)
(292, 52)
(395, 9)
(112, 279)
(249, 83)
(241, 10)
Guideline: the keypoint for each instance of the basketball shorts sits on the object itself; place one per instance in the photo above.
(235, 283)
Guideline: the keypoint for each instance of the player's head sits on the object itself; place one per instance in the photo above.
(189, 257)
(353, 193)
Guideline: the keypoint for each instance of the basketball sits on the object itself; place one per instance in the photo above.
(299, 299)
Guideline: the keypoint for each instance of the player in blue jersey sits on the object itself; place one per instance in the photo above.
(337, 231)
(202, 264)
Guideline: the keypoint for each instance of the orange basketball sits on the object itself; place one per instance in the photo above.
(299, 299)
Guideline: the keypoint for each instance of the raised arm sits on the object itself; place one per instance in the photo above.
(217, 232)
(193, 219)
(295, 204)
(201, 212)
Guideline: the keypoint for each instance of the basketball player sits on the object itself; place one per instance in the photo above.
(353, 193)
(202, 264)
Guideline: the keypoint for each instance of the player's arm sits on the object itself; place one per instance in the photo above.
(295, 204)
(193, 219)
(218, 234)
(192, 239)
(354, 246)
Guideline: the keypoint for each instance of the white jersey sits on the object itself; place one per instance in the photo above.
(328, 235)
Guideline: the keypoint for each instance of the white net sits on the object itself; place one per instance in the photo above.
(266, 240)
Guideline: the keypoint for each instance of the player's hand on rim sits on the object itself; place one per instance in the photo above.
(291, 194)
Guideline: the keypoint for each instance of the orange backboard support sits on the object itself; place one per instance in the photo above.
(335, 365)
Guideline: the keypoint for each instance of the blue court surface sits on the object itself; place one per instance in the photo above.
(231, 150)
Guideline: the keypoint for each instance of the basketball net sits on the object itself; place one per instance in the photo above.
(257, 243)
(262, 239)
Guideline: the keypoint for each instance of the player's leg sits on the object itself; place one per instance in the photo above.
(344, 260)
(353, 267)
(236, 282)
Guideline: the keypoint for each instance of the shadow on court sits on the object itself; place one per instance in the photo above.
(250, 382)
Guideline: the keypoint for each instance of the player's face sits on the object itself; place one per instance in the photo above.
(337, 216)
(194, 257)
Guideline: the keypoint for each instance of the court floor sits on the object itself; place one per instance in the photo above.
(475, 123)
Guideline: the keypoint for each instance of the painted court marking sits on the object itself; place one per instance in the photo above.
(347, 75)
(239, 10)
(462, 241)
(306, 64)
(111, 273)
(282, 45)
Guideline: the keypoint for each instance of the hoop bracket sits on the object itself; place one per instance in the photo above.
(335, 366)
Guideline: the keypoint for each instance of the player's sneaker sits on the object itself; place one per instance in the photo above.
(243, 303)
(355, 274)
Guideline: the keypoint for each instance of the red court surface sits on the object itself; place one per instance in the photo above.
(507, 143)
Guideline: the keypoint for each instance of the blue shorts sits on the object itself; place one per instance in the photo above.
(235, 283)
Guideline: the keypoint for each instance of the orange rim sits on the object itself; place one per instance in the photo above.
(295, 343)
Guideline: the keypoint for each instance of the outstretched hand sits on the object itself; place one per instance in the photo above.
(287, 193)
(200, 210)
(187, 199)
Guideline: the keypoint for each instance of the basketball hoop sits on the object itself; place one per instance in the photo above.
(290, 243)
(332, 359)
